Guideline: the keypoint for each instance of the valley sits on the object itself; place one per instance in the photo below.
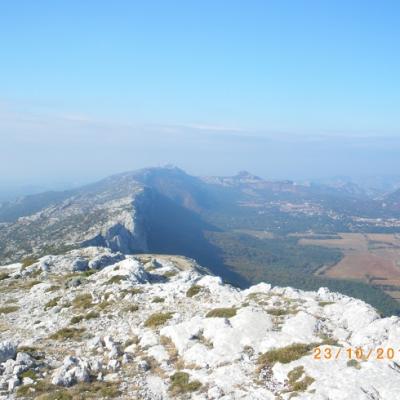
(243, 228)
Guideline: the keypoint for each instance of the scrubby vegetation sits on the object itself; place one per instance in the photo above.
(52, 303)
(68, 333)
(221, 313)
(286, 354)
(277, 312)
(131, 308)
(90, 315)
(325, 303)
(83, 301)
(28, 261)
(193, 290)
(158, 299)
(158, 319)
(170, 274)
(52, 288)
(131, 291)
(42, 390)
(8, 309)
(116, 279)
(295, 383)
(354, 363)
(4, 275)
(180, 383)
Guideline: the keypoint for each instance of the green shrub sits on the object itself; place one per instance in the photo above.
(170, 274)
(221, 313)
(61, 394)
(36, 390)
(158, 299)
(286, 354)
(354, 363)
(28, 374)
(68, 333)
(180, 383)
(295, 374)
(158, 319)
(193, 290)
(76, 319)
(301, 386)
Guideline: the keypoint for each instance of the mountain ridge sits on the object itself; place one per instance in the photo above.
(100, 324)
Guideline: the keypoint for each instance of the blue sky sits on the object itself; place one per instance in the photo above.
(184, 73)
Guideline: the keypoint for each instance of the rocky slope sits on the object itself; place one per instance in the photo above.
(99, 324)
(118, 212)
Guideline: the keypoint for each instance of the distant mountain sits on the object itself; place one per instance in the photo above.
(167, 211)
(125, 211)
(392, 200)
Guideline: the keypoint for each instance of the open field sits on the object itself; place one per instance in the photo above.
(371, 258)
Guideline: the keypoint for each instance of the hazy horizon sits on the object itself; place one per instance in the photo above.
(287, 91)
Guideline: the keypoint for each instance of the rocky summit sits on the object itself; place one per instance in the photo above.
(98, 324)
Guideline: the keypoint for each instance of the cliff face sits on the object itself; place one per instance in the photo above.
(106, 217)
(100, 324)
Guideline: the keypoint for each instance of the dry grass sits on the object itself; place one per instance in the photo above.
(221, 313)
(180, 383)
(116, 279)
(52, 303)
(83, 301)
(68, 334)
(8, 309)
(28, 261)
(285, 355)
(193, 290)
(158, 319)
(93, 390)
(4, 275)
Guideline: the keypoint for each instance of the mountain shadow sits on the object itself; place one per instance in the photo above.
(174, 229)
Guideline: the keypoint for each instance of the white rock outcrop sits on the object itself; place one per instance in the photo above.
(157, 327)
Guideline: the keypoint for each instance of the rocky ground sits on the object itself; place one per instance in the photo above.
(96, 324)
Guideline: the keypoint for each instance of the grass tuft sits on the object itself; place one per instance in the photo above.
(116, 279)
(158, 319)
(4, 275)
(83, 301)
(158, 299)
(68, 334)
(180, 383)
(52, 303)
(193, 290)
(285, 355)
(8, 309)
(221, 313)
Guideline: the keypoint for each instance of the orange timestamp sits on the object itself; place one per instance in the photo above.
(355, 353)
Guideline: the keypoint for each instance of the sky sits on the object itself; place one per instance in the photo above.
(285, 89)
